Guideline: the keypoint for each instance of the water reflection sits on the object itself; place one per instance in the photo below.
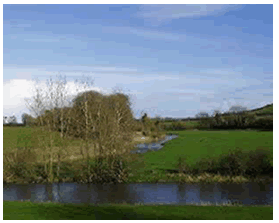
(247, 193)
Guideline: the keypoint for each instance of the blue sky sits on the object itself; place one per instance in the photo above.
(174, 60)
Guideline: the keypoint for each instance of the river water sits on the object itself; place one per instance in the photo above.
(181, 194)
(144, 147)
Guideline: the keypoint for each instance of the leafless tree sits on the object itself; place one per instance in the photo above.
(104, 124)
(45, 106)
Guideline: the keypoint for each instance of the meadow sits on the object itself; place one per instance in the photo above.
(16, 210)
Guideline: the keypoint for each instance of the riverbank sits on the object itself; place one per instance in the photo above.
(14, 210)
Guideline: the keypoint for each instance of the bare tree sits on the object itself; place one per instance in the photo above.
(103, 125)
(45, 106)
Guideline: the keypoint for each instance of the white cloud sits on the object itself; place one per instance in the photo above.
(17, 91)
(160, 13)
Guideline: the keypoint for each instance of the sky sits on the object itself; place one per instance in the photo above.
(173, 60)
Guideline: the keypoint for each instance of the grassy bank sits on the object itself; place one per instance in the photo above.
(194, 157)
(14, 210)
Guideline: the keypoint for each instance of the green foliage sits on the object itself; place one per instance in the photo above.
(236, 163)
(236, 121)
(265, 123)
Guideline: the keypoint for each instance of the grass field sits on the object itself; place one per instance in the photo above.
(14, 210)
(198, 145)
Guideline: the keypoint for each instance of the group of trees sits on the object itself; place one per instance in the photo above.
(233, 110)
(103, 123)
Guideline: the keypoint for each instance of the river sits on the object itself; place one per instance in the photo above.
(167, 193)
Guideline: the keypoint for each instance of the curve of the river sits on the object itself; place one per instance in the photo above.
(144, 147)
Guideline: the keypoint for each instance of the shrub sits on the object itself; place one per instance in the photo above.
(104, 171)
(235, 163)
(259, 163)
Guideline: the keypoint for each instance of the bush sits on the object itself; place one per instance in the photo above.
(102, 171)
(235, 163)
(259, 163)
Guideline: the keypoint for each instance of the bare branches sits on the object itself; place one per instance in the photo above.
(104, 124)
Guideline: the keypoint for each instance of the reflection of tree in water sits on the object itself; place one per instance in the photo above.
(78, 193)
(211, 193)
(53, 192)
(23, 192)
(235, 191)
(181, 193)
(260, 193)
(188, 193)
(113, 193)
(117, 193)
(49, 195)
(248, 193)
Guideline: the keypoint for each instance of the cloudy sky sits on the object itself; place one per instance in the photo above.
(174, 60)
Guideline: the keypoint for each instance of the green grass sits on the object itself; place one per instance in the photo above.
(14, 137)
(199, 145)
(14, 210)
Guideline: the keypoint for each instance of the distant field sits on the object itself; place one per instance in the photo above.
(198, 145)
